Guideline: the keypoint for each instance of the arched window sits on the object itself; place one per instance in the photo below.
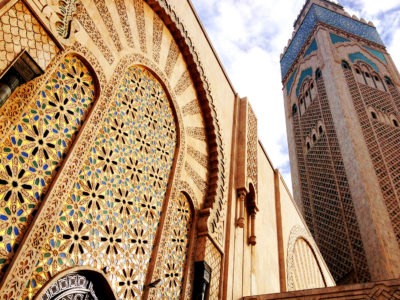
(318, 74)
(314, 137)
(308, 146)
(345, 65)
(388, 81)
(378, 82)
(374, 115)
(294, 109)
(320, 129)
(395, 123)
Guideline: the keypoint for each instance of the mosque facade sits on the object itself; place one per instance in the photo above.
(130, 168)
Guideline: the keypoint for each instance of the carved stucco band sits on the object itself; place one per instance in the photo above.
(65, 15)
(215, 198)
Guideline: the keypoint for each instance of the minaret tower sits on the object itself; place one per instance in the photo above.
(342, 105)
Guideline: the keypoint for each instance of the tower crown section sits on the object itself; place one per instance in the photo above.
(323, 3)
(331, 15)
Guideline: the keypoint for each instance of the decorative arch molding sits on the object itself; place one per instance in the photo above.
(77, 281)
(215, 199)
(299, 233)
(185, 188)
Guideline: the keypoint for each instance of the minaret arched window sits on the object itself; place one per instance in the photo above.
(378, 82)
(307, 94)
(318, 74)
(345, 65)
(366, 75)
(294, 109)
(388, 81)
(314, 137)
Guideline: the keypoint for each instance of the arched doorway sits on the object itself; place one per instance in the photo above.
(78, 285)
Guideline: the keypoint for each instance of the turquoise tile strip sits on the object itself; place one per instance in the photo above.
(313, 47)
(290, 82)
(359, 56)
(377, 53)
(337, 39)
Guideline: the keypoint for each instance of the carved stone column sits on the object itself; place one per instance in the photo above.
(253, 238)
(241, 205)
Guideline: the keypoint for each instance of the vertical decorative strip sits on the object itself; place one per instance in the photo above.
(121, 8)
(173, 54)
(157, 37)
(140, 23)
(108, 20)
(93, 32)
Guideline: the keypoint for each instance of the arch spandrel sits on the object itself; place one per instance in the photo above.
(194, 103)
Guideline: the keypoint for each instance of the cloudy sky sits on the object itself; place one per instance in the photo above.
(249, 36)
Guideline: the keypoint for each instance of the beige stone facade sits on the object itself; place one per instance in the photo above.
(129, 167)
(342, 110)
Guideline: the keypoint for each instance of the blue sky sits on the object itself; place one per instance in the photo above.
(249, 36)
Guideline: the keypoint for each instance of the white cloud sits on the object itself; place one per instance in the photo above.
(249, 36)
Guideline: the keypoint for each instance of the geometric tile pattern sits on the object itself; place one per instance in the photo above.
(111, 218)
(382, 141)
(214, 260)
(172, 254)
(31, 154)
(332, 222)
(20, 30)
